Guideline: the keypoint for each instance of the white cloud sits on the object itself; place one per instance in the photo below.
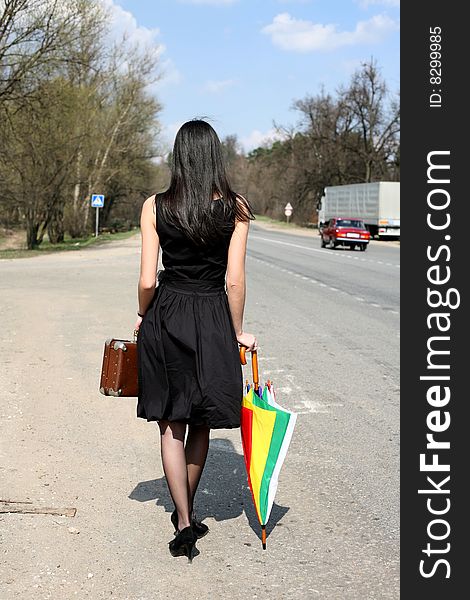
(257, 138)
(350, 65)
(158, 160)
(367, 3)
(214, 87)
(168, 135)
(253, 140)
(213, 2)
(123, 23)
(170, 74)
(298, 35)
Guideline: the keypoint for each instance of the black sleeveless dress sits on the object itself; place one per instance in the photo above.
(188, 360)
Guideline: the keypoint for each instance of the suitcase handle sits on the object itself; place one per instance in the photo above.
(136, 332)
(254, 364)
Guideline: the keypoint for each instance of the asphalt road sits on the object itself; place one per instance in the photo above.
(328, 328)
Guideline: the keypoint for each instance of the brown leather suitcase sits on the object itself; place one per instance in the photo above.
(119, 369)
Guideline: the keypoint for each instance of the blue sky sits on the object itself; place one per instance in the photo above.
(242, 62)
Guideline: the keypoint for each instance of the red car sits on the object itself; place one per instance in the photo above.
(345, 232)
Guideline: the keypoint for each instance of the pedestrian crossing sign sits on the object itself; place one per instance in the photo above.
(97, 200)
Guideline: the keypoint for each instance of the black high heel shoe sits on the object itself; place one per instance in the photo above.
(183, 543)
(199, 528)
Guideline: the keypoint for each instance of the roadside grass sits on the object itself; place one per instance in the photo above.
(283, 224)
(68, 244)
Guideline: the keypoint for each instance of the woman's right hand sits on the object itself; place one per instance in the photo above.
(248, 340)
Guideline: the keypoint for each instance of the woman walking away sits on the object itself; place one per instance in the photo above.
(190, 325)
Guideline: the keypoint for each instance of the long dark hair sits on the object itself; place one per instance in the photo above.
(197, 175)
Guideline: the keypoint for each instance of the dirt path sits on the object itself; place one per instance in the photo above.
(66, 445)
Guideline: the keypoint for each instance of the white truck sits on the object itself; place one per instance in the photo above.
(377, 204)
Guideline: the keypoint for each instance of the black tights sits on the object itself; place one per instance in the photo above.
(182, 465)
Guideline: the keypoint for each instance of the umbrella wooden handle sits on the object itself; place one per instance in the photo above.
(254, 363)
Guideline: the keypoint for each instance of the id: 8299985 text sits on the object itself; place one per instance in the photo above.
(435, 67)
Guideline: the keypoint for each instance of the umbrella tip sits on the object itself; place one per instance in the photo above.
(263, 536)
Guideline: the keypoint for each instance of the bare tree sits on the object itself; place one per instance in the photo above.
(76, 121)
(123, 108)
(39, 157)
(349, 137)
(375, 117)
(34, 34)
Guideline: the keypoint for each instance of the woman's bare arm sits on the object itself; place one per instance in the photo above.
(236, 283)
(149, 255)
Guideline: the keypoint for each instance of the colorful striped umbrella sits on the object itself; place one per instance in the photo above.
(266, 430)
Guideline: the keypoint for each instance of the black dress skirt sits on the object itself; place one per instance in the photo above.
(188, 358)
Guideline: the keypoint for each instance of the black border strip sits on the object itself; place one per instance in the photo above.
(435, 268)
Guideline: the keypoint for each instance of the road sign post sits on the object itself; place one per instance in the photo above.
(288, 211)
(97, 201)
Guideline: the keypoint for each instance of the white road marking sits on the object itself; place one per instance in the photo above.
(322, 250)
(313, 406)
(321, 284)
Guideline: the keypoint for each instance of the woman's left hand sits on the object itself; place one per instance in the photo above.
(137, 323)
